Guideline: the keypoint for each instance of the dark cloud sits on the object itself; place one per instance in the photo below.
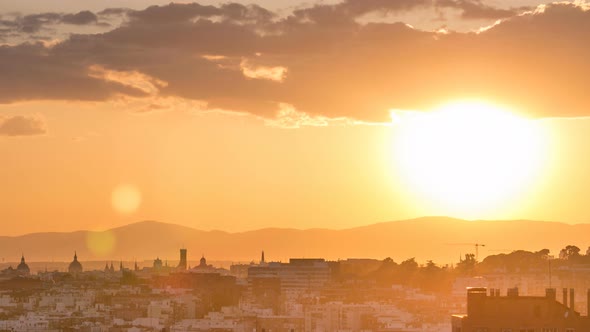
(173, 13)
(35, 22)
(349, 10)
(33, 71)
(318, 59)
(20, 125)
(114, 12)
(474, 9)
(83, 17)
(251, 13)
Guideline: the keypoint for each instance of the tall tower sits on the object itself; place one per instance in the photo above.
(262, 258)
(182, 263)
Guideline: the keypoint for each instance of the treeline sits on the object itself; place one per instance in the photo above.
(437, 278)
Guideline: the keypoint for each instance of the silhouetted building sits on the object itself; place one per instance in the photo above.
(267, 293)
(214, 290)
(109, 269)
(182, 263)
(75, 266)
(21, 284)
(203, 262)
(157, 264)
(298, 275)
(518, 313)
(22, 268)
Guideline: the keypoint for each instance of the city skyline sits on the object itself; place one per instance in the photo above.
(438, 239)
(303, 294)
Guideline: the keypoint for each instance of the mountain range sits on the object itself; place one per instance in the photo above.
(440, 239)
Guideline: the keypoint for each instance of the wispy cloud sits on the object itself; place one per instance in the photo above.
(20, 125)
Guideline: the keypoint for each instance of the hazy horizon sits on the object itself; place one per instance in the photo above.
(440, 239)
(293, 228)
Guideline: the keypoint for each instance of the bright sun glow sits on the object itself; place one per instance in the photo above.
(468, 158)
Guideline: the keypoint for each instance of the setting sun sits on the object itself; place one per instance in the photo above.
(468, 158)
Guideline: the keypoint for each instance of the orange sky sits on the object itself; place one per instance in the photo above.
(233, 172)
(218, 126)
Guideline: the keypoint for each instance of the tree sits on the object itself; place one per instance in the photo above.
(543, 253)
(430, 265)
(569, 252)
(467, 265)
(409, 264)
(388, 260)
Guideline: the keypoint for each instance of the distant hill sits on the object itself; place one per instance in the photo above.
(438, 238)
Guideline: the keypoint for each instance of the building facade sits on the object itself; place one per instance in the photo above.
(514, 313)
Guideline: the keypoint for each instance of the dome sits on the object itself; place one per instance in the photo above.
(203, 262)
(23, 268)
(75, 266)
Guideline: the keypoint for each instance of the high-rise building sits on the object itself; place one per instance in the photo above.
(298, 275)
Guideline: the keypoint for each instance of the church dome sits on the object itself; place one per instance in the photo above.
(203, 262)
(23, 268)
(75, 266)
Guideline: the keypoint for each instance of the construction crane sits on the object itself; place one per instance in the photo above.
(476, 245)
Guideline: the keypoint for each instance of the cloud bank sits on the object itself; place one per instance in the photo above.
(320, 59)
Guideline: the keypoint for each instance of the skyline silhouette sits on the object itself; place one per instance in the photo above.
(440, 239)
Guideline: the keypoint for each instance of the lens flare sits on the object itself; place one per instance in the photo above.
(126, 198)
(100, 243)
